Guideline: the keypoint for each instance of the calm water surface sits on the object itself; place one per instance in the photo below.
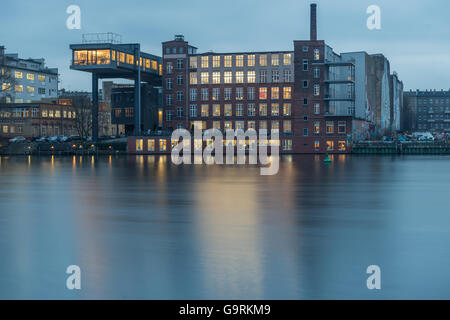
(142, 228)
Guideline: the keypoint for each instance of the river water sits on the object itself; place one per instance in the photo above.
(142, 228)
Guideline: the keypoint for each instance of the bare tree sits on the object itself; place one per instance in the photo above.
(7, 80)
(83, 119)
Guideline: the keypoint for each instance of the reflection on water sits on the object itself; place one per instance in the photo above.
(141, 227)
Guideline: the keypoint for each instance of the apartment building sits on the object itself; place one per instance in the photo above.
(26, 80)
(427, 110)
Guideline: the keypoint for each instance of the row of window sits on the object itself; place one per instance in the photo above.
(433, 109)
(36, 113)
(252, 110)
(128, 112)
(29, 76)
(19, 88)
(286, 144)
(38, 130)
(241, 60)
(101, 57)
(237, 77)
(434, 101)
(227, 94)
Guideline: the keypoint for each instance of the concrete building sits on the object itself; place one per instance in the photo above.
(427, 110)
(122, 107)
(106, 58)
(320, 101)
(26, 80)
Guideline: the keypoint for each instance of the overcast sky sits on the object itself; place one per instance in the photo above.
(414, 35)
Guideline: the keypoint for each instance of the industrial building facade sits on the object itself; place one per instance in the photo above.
(427, 111)
(319, 100)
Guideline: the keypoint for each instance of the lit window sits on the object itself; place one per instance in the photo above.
(6, 86)
(251, 60)
(30, 76)
(252, 124)
(275, 109)
(341, 145)
(275, 60)
(103, 57)
(228, 125)
(204, 62)
(275, 93)
(330, 145)
(287, 59)
(287, 109)
(216, 110)
(263, 93)
(139, 144)
(151, 145)
(162, 145)
(227, 62)
(316, 127)
(18, 75)
(287, 93)
(239, 61)
(130, 59)
(263, 109)
(227, 110)
(317, 90)
(263, 124)
(330, 127)
(193, 62)
(216, 61)
(263, 60)
(193, 78)
(228, 77)
(30, 90)
(251, 76)
(18, 88)
(216, 77)
(205, 110)
(287, 126)
(275, 125)
(240, 125)
(316, 145)
(240, 77)
(204, 77)
(216, 125)
(316, 54)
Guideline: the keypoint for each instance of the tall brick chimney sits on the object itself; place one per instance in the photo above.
(313, 22)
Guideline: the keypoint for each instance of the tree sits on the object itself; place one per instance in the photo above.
(7, 80)
(83, 119)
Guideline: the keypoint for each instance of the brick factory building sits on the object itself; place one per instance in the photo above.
(319, 101)
(33, 120)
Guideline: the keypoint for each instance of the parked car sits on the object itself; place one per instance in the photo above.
(53, 139)
(62, 138)
(41, 139)
(17, 139)
(74, 138)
